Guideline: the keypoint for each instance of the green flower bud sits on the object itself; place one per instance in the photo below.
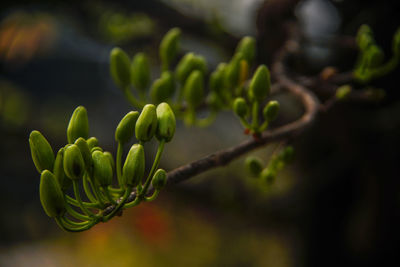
(102, 169)
(51, 196)
(364, 37)
(247, 46)
(268, 175)
(260, 83)
(194, 89)
(41, 151)
(232, 72)
(254, 166)
(240, 107)
(140, 71)
(78, 125)
(133, 169)
(159, 179)
(96, 148)
(85, 151)
(166, 122)
(146, 125)
(92, 142)
(217, 82)
(110, 159)
(375, 56)
(126, 127)
(58, 171)
(271, 110)
(120, 65)
(163, 88)
(343, 92)
(74, 165)
(188, 64)
(169, 47)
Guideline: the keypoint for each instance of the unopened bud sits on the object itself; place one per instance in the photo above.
(343, 92)
(126, 127)
(102, 169)
(240, 107)
(247, 46)
(120, 65)
(92, 142)
(169, 47)
(41, 151)
(78, 125)
(159, 179)
(194, 89)
(140, 71)
(260, 83)
(133, 169)
(51, 196)
(163, 88)
(271, 110)
(58, 171)
(254, 166)
(166, 122)
(74, 165)
(146, 124)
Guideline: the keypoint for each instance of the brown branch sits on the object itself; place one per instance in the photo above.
(221, 158)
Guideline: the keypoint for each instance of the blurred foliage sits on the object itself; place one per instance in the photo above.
(120, 28)
(14, 105)
(24, 35)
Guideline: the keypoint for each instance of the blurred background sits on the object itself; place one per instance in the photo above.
(336, 205)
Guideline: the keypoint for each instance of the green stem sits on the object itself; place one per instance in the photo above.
(153, 196)
(263, 126)
(207, 120)
(131, 98)
(254, 124)
(73, 223)
(109, 196)
(245, 123)
(118, 166)
(118, 191)
(97, 193)
(76, 214)
(64, 225)
(88, 192)
(74, 202)
(120, 204)
(78, 198)
(133, 203)
(153, 168)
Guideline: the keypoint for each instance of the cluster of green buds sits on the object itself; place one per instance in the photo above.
(370, 64)
(82, 162)
(255, 166)
(247, 108)
(182, 81)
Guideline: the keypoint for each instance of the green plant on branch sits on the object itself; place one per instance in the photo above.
(370, 64)
(83, 163)
(111, 184)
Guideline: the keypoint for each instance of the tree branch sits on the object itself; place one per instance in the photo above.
(306, 97)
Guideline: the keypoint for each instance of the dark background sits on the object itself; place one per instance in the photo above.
(336, 205)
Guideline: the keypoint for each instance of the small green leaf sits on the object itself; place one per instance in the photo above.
(260, 83)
